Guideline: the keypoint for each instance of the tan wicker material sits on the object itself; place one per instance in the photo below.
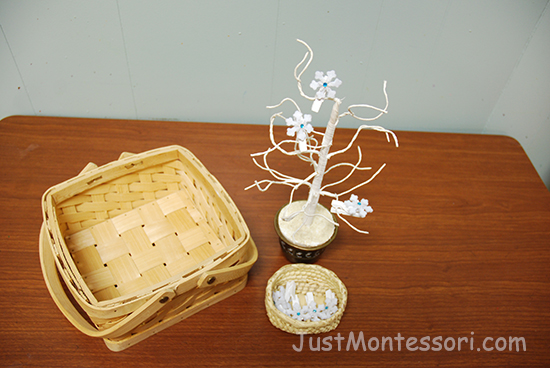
(162, 309)
(147, 227)
(308, 278)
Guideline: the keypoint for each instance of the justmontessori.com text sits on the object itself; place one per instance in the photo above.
(398, 343)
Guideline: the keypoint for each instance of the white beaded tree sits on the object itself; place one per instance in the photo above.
(306, 147)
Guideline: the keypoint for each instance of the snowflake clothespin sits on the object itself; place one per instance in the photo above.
(331, 302)
(299, 125)
(284, 308)
(323, 86)
(352, 207)
(310, 301)
(330, 298)
(306, 313)
(297, 309)
(309, 312)
(279, 300)
(278, 294)
(296, 306)
(323, 312)
(290, 290)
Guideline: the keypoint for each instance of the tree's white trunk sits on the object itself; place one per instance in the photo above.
(315, 190)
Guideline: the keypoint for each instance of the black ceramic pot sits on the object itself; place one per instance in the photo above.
(299, 254)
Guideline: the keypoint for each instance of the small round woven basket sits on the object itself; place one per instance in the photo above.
(308, 278)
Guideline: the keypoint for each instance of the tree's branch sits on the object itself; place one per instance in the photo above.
(372, 127)
(353, 168)
(382, 111)
(298, 76)
(350, 225)
(363, 183)
(283, 101)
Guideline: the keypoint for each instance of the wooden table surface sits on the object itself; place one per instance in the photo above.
(459, 247)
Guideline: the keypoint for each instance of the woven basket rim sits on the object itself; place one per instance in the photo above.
(329, 323)
(63, 258)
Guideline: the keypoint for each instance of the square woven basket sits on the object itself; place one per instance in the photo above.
(141, 243)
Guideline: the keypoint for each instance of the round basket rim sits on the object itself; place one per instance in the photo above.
(305, 326)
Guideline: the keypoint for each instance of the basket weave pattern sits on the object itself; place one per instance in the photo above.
(123, 239)
(130, 227)
(142, 243)
(308, 278)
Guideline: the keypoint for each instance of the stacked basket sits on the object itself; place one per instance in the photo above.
(142, 243)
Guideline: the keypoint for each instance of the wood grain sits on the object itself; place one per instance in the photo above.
(459, 242)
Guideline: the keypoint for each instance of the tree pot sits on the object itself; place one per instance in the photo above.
(298, 253)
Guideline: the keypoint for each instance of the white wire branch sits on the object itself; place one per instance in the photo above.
(277, 175)
(353, 168)
(371, 127)
(283, 101)
(382, 111)
(350, 225)
(298, 77)
(363, 183)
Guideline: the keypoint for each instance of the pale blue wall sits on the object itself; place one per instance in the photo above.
(453, 66)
